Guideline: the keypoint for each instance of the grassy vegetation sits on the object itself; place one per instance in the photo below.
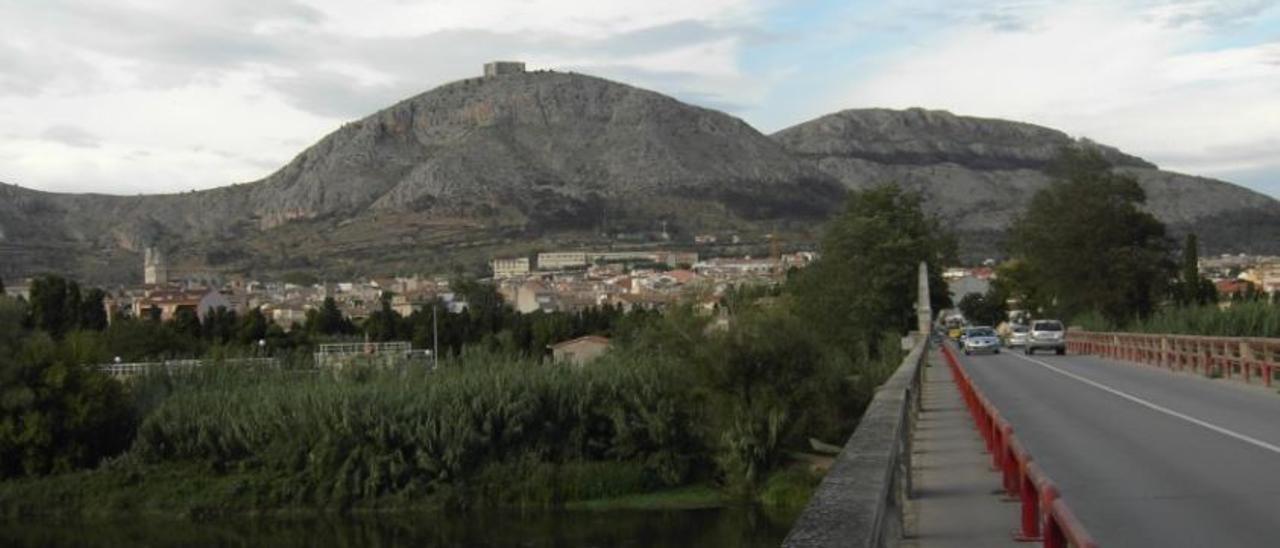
(684, 406)
(1244, 319)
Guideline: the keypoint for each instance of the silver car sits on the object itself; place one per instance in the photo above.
(981, 339)
(1047, 335)
(1018, 336)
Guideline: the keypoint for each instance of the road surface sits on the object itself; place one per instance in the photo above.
(1144, 457)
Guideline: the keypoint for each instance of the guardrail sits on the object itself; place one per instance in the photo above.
(121, 370)
(1248, 360)
(860, 501)
(1044, 515)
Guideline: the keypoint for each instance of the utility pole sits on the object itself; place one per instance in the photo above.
(435, 339)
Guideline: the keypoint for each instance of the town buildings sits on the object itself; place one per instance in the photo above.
(509, 268)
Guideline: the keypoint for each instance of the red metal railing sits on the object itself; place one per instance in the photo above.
(1044, 516)
(1248, 360)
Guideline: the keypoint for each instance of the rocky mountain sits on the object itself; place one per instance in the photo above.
(527, 161)
(479, 164)
(979, 173)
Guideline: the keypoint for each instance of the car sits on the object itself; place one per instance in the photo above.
(1046, 335)
(1018, 336)
(981, 339)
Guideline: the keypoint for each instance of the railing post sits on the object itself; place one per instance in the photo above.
(1246, 360)
(1030, 516)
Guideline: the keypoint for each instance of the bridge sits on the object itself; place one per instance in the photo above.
(1128, 440)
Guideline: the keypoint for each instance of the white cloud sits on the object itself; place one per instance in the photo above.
(164, 101)
(140, 96)
(1128, 75)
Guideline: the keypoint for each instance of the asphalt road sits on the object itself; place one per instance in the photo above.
(1144, 457)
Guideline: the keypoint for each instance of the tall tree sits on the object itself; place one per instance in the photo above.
(1087, 245)
(49, 305)
(252, 327)
(186, 322)
(93, 310)
(983, 309)
(1, 286)
(383, 324)
(866, 281)
(329, 320)
(74, 303)
(1193, 289)
(219, 325)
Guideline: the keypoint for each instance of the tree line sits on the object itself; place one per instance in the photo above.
(1086, 248)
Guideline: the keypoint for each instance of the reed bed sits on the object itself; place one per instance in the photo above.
(338, 439)
(1247, 319)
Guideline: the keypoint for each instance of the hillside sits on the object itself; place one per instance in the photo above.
(469, 168)
(528, 161)
(979, 173)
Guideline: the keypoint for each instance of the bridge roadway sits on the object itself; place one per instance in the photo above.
(1144, 457)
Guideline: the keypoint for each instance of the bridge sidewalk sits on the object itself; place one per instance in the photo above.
(956, 493)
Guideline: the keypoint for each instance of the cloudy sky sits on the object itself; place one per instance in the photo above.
(133, 96)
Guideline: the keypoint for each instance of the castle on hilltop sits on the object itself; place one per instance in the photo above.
(499, 68)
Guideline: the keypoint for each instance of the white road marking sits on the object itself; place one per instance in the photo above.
(1155, 407)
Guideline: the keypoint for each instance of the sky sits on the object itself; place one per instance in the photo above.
(149, 96)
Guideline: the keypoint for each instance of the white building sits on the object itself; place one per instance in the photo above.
(510, 268)
(560, 260)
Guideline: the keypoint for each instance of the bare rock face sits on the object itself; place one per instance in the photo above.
(525, 140)
(469, 163)
(978, 174)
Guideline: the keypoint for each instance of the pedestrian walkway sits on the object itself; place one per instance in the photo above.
(957, 500)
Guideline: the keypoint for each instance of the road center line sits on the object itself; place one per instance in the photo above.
(1155, 407)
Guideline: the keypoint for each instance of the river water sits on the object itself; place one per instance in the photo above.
(727, 527)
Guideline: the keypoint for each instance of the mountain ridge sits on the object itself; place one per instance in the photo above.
(547, 159)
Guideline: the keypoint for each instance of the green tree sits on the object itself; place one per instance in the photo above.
(1087, 245)
(49, 306)
(1192, 289)
(93, 310)
(186, 322)
(329, 320)
(252, 327)
(74, 302)
(219, 325)
(383, 324)
(983, 309)
(142, 339)
(762, 378)
(1015, 284)
(56, 415)
(1, 286)
(866, 281)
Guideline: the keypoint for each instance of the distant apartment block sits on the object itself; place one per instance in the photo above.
(561, 260)
(510, 268)
(499, 68)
